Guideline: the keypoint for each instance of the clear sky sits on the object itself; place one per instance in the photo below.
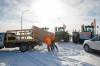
(48, 13)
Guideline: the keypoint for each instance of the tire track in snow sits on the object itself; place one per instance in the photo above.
(33, 61)
(44, 59)
(67, 50)
(37, 60)
(9, 58)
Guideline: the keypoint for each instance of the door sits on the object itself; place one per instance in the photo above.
(1, 40)
(97, 42)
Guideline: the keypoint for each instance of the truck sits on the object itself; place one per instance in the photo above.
(87, 32)
(25, 39)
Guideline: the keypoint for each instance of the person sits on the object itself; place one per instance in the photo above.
(47, 41)
(50, 41)
(53, 45)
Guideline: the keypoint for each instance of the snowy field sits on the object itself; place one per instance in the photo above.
(69, 54)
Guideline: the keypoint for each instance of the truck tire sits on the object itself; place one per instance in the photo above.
(24, 47)
(31, 47)
(39, 43)
(0, 47)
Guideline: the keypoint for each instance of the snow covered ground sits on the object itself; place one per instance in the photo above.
(69, 54)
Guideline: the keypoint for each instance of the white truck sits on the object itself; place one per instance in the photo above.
(24, 39)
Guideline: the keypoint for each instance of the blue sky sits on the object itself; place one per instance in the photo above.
(49, 13)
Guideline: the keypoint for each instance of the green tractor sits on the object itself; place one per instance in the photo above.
(61, 34)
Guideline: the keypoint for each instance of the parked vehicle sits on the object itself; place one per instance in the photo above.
(25, 39)
(92, 44)
(75, 37)
(87, 32)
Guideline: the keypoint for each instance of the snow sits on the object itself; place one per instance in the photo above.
(69, 54)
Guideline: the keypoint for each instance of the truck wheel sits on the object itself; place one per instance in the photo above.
(24, 47)
(31, 47)
(0, 47)
(39, 43)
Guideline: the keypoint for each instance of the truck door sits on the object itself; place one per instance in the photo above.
(1, 39)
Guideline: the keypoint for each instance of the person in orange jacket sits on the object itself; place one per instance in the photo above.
(48, 42)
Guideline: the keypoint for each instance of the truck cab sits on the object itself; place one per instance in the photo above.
(6, 38)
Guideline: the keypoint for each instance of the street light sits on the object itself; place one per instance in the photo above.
(22, 18)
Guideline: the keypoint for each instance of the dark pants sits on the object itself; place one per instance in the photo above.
(49, 48)
(52, 47)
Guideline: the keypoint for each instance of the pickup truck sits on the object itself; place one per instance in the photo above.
(18, 38)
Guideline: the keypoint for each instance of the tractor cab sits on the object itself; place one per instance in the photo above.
(88, 28)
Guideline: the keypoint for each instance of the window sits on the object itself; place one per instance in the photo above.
(96, 38)
(11, 38)
(99, 38)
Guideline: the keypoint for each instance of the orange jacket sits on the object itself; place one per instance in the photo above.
(47, 40)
